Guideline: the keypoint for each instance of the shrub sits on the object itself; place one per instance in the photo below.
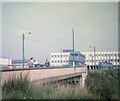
(104, 84)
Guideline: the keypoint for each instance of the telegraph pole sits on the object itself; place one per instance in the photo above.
(73, 47)
(94, 54)
(23, 37)
(94, 57)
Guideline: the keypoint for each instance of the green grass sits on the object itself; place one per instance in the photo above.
(17, 88)
(62, 92)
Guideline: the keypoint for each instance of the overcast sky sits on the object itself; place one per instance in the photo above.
(50, 24)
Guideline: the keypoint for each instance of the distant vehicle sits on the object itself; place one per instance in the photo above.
(105, 65)
(38, 65)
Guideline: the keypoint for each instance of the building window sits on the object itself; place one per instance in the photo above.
(90, 55)
(55, 55)
(52, 55)
(105, 54)
(52, 61)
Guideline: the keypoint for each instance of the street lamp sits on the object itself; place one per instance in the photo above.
(23, 37)
(73, 47)
(94, 54)
(61, 56)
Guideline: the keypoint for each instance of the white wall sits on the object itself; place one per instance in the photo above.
(5, 61)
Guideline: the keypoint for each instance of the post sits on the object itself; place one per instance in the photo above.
(23, 37)
(73, 48)
(94, 57)
(61, 56)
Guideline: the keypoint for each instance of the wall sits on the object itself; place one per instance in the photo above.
(42, 73)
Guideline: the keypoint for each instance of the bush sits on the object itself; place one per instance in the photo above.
(103, 84)
(17, 88)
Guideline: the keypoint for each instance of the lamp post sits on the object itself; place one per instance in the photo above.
(23, 37)
(94, 54)
(61, 56)
(73, 48)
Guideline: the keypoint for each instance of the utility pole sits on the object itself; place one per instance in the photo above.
(61, 56)
(23, 38)
(94, 54)
(94, 57)
(73, 47)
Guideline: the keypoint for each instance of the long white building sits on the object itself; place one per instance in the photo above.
(5, 61)
(65, 58)
(97, 57)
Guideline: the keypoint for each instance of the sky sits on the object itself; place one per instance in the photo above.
(51, 24)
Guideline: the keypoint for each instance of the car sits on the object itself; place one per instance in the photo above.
(105, 64)
(38, 65)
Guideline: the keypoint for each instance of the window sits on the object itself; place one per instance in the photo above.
(90, 55)
(52, 55)
(75, 54)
